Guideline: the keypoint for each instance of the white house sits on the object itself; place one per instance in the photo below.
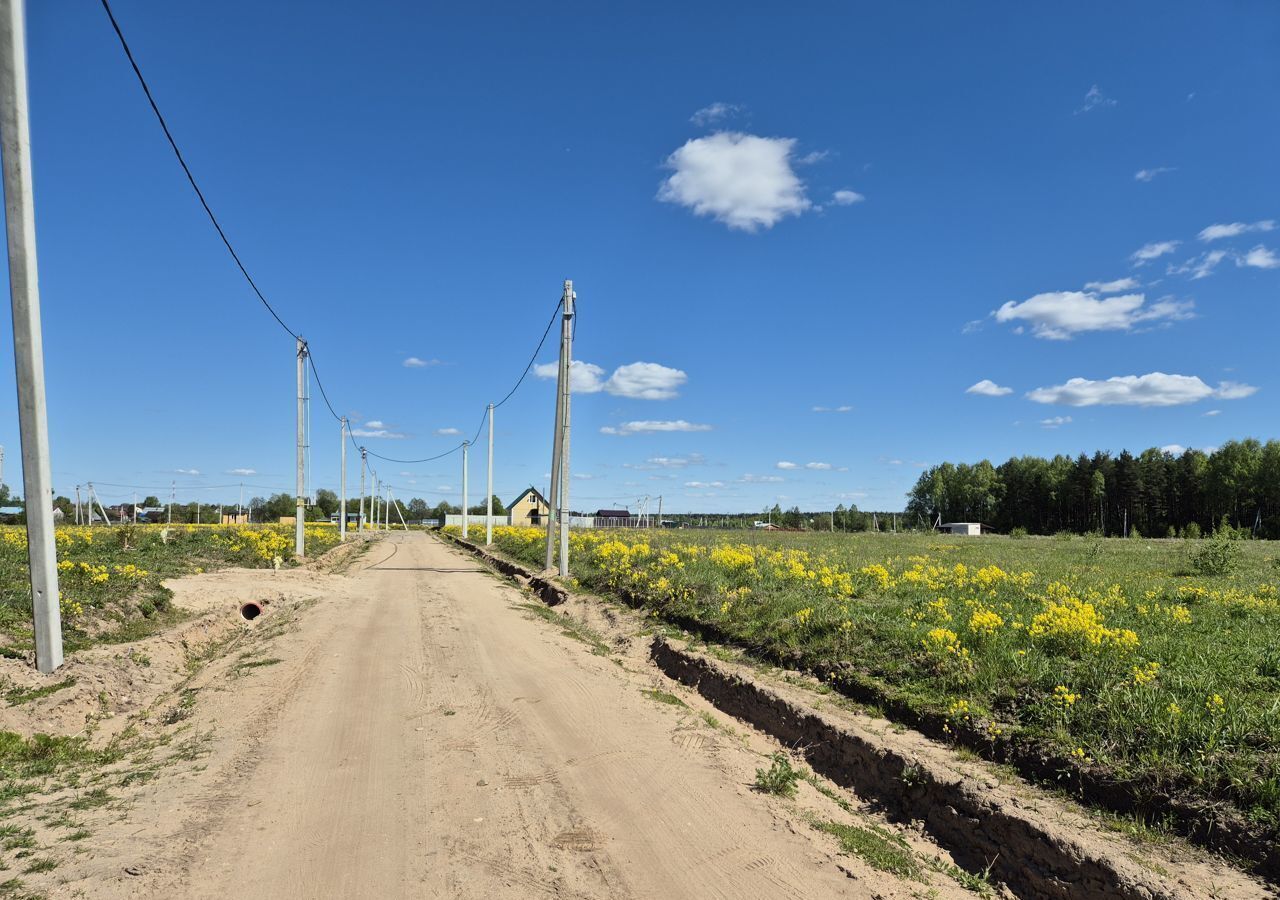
(972, 529)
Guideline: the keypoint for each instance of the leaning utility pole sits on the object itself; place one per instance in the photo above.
(364, 464)
(465, 516)
(488, 503)
(342, 486)
(558, 501)
(299, 534)
(28, 342)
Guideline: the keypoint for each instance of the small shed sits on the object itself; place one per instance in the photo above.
(972, 529)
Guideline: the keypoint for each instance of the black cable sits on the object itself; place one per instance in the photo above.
(414, 461)
(533, 358)
(191, 178)
(311, 357)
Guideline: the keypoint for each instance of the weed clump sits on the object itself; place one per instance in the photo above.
(779, 779)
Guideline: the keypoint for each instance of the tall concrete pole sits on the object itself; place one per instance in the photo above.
(364, 464)
(488, 503)
(466, 517)
(342, 486)
(562, 387)
(373, 503)
(299, 534)
(28, 342)
(566, 352)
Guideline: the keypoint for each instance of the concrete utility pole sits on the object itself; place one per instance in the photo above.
(299, 535)
(364, 464)
(77, 504)
(373, 503)
(488, 503)
(27, 338)
(465, 516)
(559, 452)
(566, 342)
(28, 342)
(342, 486)
(659, 512)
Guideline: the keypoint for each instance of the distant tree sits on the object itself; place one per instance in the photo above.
(327, 501)
(152, 501)
(418, 509)
(498, 509)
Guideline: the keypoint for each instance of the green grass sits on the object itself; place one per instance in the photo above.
(879, 848)
(16, 696)
(658, 696)
(1111, 656)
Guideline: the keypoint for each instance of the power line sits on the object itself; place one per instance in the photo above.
(191, 178)
(532, 359)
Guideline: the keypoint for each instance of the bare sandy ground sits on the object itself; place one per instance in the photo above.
(410, 729)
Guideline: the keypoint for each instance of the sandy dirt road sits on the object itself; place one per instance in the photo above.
(424, 735)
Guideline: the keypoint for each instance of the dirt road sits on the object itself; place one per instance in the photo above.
(419, 732)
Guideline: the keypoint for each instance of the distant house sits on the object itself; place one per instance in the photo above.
(10, 514)
(613, 514)
(972, 529)
(530, 508)
(766, 526)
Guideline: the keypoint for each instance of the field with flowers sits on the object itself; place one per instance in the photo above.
(1105, 661)
(110, 576)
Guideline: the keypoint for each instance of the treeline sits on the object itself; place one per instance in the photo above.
(1156, 494)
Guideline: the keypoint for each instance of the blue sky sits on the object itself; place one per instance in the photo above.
(925, 219)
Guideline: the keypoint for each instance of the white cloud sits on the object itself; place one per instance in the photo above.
(1173, 449)
(1214, 412)
(446, 432)
(584, 378)
(583, 476)
(846, 198)
(704, 484)
(1112, 287)
(242, 471)
(645, 381)
(988, 388)
(832, 409)
(1259, 258)
(378, 433)
(1055, 422)
(761, 479)
(649, 427)
(1094, 99)
(715, 112)
(1234, 229)
(1058, 315)
(374, 423)
(813, 156)
(1201, 266)
(1154, 389)
(1153, 250)
(186, 471)
(414, 362)
(637, 381)
(818, 466)
(1150, 174)
(668, 462)
(785, 465)
(742, 180)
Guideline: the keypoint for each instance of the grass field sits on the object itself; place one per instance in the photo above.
(1109, 657)
(110, 576)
